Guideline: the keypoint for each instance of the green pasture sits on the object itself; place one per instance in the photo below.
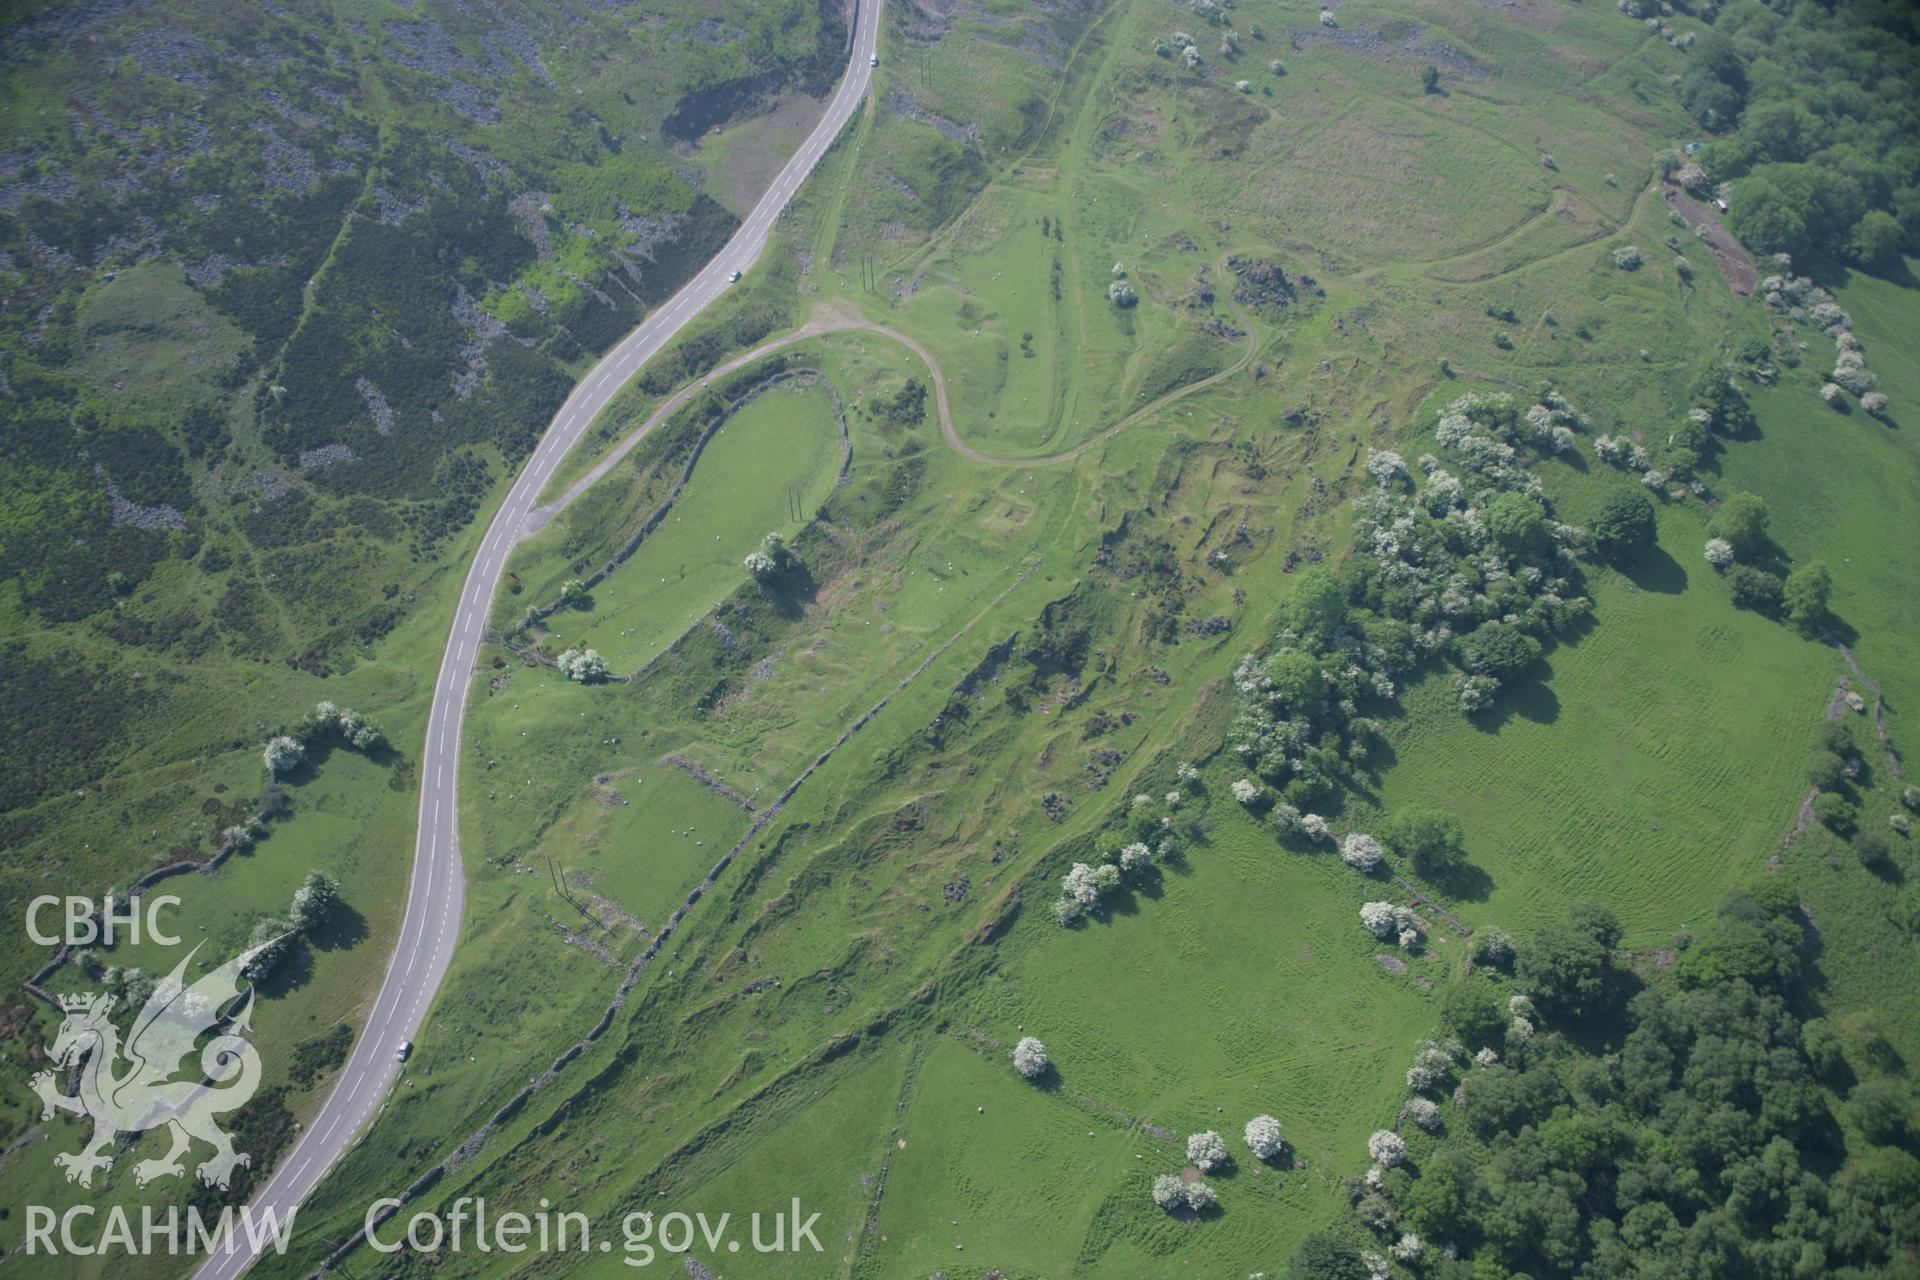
(767, 470)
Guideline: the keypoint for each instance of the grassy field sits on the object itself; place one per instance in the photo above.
(767, 470)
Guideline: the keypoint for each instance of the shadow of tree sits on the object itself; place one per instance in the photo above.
(1655, 571)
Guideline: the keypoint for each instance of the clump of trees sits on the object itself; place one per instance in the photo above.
(1386, 921)
(1810, 170)
(316, 904)
(1687, 1126)
(1172, 1193)
(328, 721)
(1799, 298)
(772, 559)
(1738, 545)
(1150, 831)
(1832, 766)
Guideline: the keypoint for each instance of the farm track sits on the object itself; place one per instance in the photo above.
(828, 320)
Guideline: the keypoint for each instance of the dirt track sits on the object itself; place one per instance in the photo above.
(1736, 268)
(838, 319)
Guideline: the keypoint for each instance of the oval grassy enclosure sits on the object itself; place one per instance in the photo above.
(767, 469)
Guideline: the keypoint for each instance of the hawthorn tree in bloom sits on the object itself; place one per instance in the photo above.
(1432, 1063)
(582, 666)
(1263, 1137)
(281, 754)
(1030, 1058)
(1361, 852)
(314, 902)
(1207, 1151)
(1081, 885)
(1387, 1148)
(1172, 1193)
(1386, 467)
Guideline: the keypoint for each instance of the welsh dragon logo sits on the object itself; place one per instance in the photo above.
(146, 1094)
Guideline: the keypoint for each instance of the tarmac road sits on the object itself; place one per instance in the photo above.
(436, 892)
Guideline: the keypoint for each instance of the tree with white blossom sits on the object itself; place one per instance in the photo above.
(1423, 1112)
(1387, 1148)
(1719, 552)
(1246, 791)
(582, 666)
(1432, 1063)
(1030, 1058)
(1207, 1151)
(1386, 467)
(315, 902)
(1080, 885)
(1173, 1193)
(1378, 918)
(1263, 1137)
(281, 754)
(1361, 852)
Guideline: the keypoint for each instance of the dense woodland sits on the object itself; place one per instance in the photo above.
(1817, 110)
(1671, 1127)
